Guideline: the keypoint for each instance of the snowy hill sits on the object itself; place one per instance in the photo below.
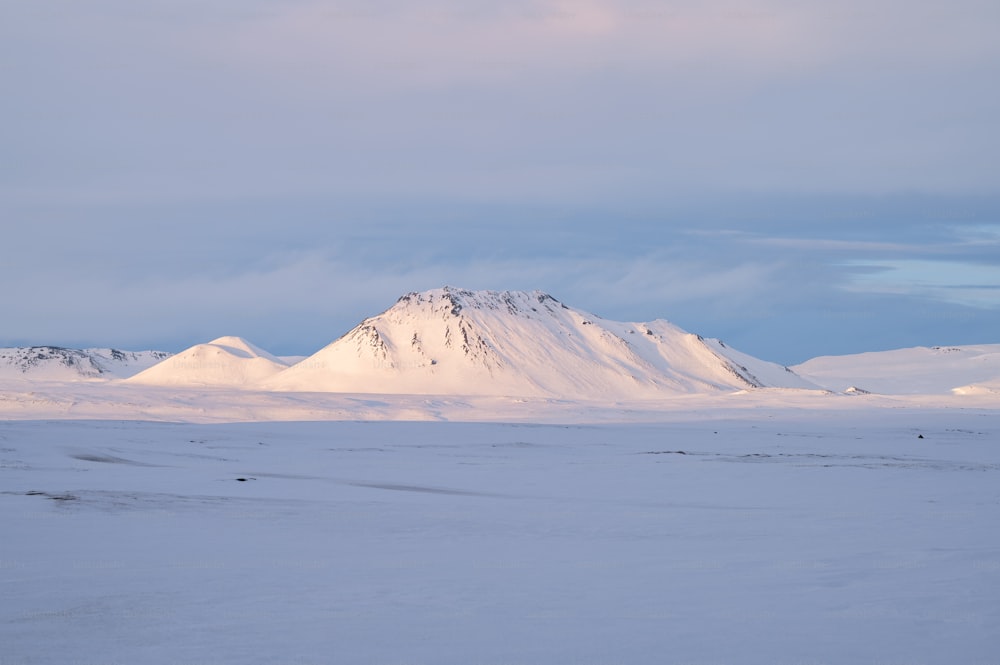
(452, 341)
(53, 363)
(919, 370)
(226, 361)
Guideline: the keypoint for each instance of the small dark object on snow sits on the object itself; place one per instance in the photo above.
(920, 436)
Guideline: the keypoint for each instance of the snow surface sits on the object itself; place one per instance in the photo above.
(226, 361)
(772, 535)
(453, 341)
(919, 370)
(220, 404)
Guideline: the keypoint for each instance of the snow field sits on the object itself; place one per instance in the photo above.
(767, 536)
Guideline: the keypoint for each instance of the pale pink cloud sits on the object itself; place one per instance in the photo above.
(439, 43)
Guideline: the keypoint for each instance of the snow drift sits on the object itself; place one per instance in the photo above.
(453, 341)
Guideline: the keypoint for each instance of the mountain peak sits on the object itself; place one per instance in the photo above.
(453, 301)
(241, 347)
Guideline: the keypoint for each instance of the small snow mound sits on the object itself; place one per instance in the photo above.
(854, 390)
(226, 361)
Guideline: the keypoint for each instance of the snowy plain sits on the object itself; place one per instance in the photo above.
(739, 533)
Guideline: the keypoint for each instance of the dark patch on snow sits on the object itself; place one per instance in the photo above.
(418, 488)
(830, 460)
(107, 459)
(53, 497)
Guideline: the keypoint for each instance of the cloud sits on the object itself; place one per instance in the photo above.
(443, 43)
(829, 244)
(968, 284)
(297, 301)
(542, 100)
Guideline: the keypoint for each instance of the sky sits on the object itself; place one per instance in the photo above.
(795, 178)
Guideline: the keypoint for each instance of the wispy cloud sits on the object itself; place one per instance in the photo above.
(946, 241)
(302, 300)
(831, 245)
(969, 284)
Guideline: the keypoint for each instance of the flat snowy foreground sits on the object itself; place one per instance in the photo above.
(751, 536)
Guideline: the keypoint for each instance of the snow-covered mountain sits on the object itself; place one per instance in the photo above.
(226, 361)
(453, 341)
(918, 370)
(54, 363)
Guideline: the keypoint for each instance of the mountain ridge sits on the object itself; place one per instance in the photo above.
(453, 341)
(57, 363)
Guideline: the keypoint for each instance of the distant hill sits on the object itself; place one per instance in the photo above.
(54, 363)
(918, 370)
